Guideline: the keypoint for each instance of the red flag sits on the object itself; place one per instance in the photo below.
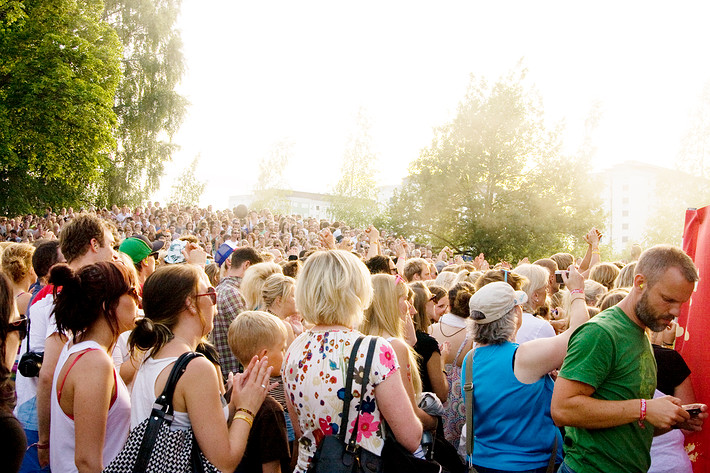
(694, 331)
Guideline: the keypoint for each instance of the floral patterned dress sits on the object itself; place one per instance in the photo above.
(314, 375)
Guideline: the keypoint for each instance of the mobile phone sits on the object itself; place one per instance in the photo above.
(558, 276)
(692, 409)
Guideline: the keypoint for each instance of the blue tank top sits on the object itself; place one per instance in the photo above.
(513, 427)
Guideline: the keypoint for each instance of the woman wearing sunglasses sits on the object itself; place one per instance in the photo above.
(90, 405)
(180, 306)
(12, 330)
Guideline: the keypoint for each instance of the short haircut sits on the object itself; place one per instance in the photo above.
(378, 264)
(496, 332)
(44, 257)
(333, 289)
(446, 279)
(414, 266)
(77, 234)
(655, 261)
(246, 253)
(563, 260)
(548, 263)
(252, 331)
(605, 274)
(275, 286)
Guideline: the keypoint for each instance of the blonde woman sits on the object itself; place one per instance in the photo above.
(332, 291)
(253, 282)
(278, 296)
(17, 265)
(386, 317)
(535, 287)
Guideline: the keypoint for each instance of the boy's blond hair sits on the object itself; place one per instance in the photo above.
(253, 331)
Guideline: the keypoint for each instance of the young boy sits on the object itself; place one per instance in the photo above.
(262, 334)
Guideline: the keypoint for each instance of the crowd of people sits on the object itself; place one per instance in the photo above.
(561, 364)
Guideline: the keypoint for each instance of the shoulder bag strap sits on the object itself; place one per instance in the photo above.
(162, 411)
(352, 444)
(348, 389)
(468, 399)
(553, 457)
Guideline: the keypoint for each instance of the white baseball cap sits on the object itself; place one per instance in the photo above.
(493, 301)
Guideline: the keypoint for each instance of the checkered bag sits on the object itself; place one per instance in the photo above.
(153, 448)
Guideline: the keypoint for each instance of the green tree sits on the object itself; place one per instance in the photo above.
(59, 69)
(187, 190)
(355, 194)
(494, 180)
(148, 108)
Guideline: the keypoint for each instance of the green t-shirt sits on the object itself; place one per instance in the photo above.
(613, 355)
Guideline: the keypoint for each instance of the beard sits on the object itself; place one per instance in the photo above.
(650, 317)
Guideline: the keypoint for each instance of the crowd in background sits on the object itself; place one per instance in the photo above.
(257, 294)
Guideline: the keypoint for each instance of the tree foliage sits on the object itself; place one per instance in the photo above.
(148, 108)
(187, 190)
(495, 181)
(59, 69)
(355, 194)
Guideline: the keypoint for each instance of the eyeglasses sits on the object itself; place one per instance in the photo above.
(212, 292)
(19, 326)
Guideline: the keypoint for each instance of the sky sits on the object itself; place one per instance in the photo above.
(262, 72)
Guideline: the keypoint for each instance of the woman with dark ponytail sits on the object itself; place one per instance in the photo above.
(90, 413)
(180, 306)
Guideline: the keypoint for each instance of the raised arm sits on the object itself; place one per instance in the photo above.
(538, 357)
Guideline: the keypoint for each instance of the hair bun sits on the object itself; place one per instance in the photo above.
(62, 275)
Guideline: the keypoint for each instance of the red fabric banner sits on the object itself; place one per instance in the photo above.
(694, 329)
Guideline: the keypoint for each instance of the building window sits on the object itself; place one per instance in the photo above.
(625, 213)
(317, 207)
(624, 226)
(625, 187)
(624, 239)
(625, 200)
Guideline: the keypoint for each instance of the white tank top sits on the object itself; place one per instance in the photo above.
(61, 434)
(143, 394)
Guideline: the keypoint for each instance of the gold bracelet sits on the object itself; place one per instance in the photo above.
(245, 418)
(243, 409)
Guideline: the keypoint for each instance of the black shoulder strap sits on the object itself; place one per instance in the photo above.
(352, 444)
(348, 389)
(162, 411)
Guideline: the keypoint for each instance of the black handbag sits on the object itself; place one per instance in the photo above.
(153, 448)
(333, 455)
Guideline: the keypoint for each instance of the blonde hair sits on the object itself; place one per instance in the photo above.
(252, 331)
(17, 261)
(536, 277)
(446, 279)
(382, 317)
(253, 282)
(277, 285)
(333, 288)
(593, 292)
(612, 298)
(625, 279)
(605, 274)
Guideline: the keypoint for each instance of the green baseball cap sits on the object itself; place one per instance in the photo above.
(136, 248)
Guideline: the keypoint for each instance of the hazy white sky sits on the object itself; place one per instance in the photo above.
(260, 72)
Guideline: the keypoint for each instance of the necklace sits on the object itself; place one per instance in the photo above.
(441, 327)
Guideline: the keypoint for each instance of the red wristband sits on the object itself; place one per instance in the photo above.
(642, 416)
(576, 291)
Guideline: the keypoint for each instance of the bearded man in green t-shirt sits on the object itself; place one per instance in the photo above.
(604, 391)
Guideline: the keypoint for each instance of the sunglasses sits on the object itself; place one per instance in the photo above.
(19, 326)
(212, 292)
